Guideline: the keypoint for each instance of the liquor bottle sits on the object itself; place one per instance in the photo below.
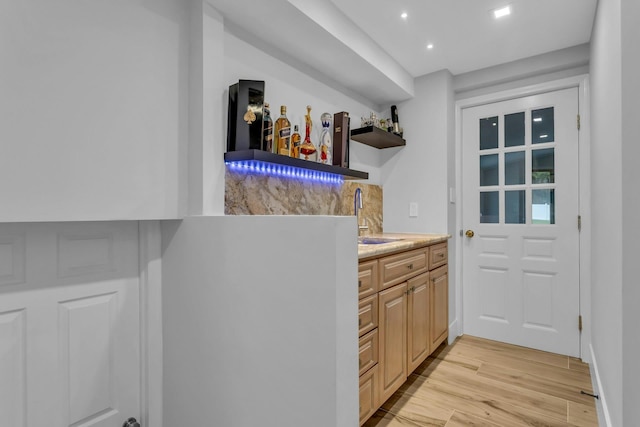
(307, 148)
(325, 145)
(295, 143)
(267, 141)
(394, 118)
(282, 133)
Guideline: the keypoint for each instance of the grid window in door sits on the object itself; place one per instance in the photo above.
(517, 167)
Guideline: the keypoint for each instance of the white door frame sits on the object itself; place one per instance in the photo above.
(584, 173)
(150, 270)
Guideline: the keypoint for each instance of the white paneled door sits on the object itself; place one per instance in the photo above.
(520, 218)
(69, 325)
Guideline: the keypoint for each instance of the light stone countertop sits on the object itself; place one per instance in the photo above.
(404, 242)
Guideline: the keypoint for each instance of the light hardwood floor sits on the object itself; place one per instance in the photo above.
(477, 382)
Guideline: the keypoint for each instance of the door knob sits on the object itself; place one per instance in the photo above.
(131, 422)
(469, 233)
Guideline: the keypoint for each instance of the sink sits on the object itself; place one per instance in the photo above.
(375, 240)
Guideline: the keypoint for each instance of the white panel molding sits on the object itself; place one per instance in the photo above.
(601, 403)
(12, 259)
(81, 254)
(150, 256)
(86, 330)
(582, 83)
(13, 388)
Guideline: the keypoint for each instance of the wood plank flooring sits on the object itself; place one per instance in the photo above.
(477, 382)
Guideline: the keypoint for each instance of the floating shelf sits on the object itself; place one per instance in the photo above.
(277, 159)
(376, 137)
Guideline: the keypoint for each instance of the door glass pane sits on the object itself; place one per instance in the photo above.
(489, 170)
(489, 207)
(489, 133)
(543, 209)
(542, 128)
(515, 207)
(514, 129)
(542, 166)
(514, 168)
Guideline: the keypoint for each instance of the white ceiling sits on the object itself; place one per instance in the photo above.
(465, 34)
(365, 46)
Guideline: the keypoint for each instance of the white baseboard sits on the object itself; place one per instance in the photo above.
(604, 418)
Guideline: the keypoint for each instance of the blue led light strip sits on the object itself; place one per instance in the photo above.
(283, 171)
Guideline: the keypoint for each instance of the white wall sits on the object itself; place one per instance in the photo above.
(93, 112)
(261, 333)
(555, 65)
(630, 210)
(206, 131)
(418, 172)
(286, 85)
(607, 212)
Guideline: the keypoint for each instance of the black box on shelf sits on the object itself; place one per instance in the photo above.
(244, 121)
(341, 132)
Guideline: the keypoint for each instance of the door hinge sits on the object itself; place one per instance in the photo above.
(579, 222)
(578, 121)
(580, 322)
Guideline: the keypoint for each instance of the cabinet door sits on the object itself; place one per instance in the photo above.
(392, 327)
(439, 306)
(368, 394)
(417, 321)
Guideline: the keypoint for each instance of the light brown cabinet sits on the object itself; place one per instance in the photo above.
(418, 316)
(412, 318)
(393, 339)
(439, 306)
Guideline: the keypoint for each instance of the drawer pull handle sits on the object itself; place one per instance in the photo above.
(410, 266)
(441, 255)
(359, 322)
(359, 363)
(359, 283)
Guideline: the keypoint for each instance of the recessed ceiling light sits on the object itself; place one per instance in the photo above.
(503, 11)
(404, 15)
(430, 46)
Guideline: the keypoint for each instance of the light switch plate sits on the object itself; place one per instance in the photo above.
(413, 210)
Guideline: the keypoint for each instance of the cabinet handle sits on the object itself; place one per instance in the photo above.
(441, 255)
(410, 266)
(359, 321)
(359, 363)
(359, 283)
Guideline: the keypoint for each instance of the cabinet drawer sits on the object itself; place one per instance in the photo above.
(367, 314)
(438, 255)
(369, 400)
(368, 355)
(367, 278)
(395, 269)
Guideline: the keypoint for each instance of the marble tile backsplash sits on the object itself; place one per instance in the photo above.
(270, 195)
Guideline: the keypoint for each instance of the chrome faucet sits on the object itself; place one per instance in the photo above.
(357, 207)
